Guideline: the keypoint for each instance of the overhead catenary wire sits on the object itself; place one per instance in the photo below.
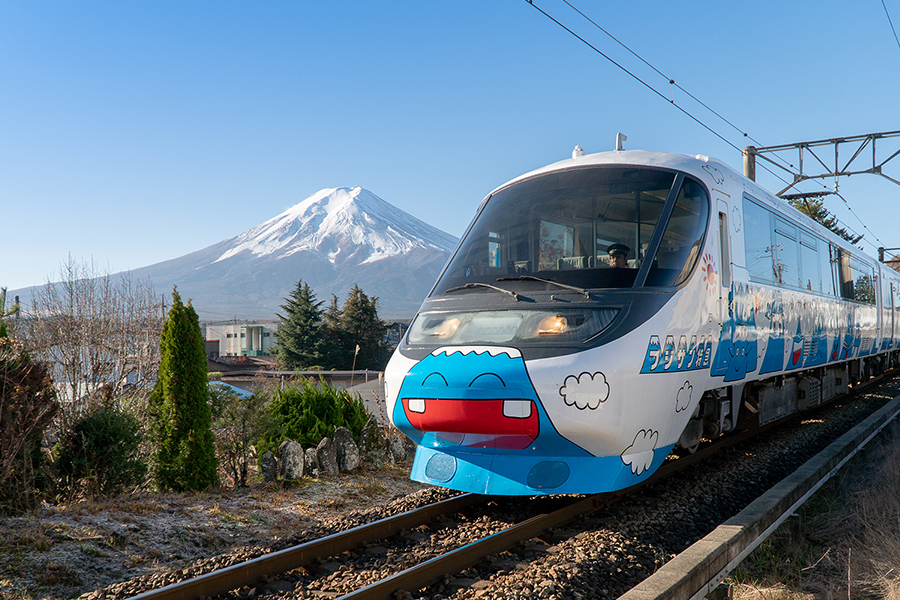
(891, 23)
(847, 204)
(686, 92)
(670, 80)
(634, 76)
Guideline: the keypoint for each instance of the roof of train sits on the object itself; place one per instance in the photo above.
(693, 164)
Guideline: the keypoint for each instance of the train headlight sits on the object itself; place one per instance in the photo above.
(509, 326)
(439, 328)
(554, 325)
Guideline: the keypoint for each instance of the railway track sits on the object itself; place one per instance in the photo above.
(602, 512)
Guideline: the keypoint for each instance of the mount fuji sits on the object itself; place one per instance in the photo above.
(334, 239)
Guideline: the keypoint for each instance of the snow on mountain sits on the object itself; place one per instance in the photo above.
(333, 240)
(340, 224)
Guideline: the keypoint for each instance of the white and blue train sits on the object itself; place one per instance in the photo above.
(604, 310)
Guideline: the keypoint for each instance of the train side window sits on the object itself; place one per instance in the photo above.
(895, 294)
(758, 242)
(810, 274)
(787, 260)
(863, 281)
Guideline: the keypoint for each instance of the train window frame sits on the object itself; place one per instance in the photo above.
(810, 266)
(760, 261)
(513, 250)
(786, 241)
(865, 281)
(787, 253)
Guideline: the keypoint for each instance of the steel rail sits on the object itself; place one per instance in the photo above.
(704, 565)
(428, 572)
(433, 570)
(246, 573)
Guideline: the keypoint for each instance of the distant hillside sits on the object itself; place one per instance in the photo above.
(334, 239)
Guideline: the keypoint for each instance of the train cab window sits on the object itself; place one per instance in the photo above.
(680, 246)
(589, 227)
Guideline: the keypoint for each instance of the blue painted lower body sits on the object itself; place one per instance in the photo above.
(518, 474)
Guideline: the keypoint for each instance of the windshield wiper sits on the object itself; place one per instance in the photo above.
(586, 293)
(476, 284)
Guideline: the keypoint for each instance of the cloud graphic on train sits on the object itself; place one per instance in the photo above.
(587, 390)
(683, 397)
(639, 455)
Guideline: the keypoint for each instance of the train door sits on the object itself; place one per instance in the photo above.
(724, 261)
(728, 406)
(880, 304)
(889, 304)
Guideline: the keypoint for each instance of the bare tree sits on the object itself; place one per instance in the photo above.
(99, 334)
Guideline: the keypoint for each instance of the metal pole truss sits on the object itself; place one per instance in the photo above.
(835, 169)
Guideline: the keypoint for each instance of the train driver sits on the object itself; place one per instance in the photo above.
(618, 255)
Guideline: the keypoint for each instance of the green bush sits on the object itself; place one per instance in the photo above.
(306, 412)
(178, 407)
(237, 421)
(101, 453)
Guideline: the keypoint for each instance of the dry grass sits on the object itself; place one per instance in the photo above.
(847, 544)
(59, 552)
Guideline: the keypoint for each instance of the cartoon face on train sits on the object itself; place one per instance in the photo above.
(474, 397)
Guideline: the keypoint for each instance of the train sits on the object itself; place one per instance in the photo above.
(607, 310)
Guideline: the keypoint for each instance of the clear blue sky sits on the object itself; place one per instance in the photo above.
(135, 132)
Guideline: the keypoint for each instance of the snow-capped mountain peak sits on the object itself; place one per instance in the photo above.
(339, 224)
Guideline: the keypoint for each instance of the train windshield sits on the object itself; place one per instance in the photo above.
(591, 227)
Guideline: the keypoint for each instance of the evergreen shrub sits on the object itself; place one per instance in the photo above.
(178, 407)
(101, 452)
(306, 412)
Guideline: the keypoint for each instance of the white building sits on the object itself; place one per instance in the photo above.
(241, 339)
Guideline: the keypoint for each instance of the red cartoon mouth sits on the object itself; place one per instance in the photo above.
(503, 423)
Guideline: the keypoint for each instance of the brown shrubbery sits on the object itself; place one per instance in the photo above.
(847, 536)
(27, 405)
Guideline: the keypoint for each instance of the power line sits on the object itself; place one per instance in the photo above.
(847, 204)
(670, 80)
(891, 23)
(675, 104)
(635, 77)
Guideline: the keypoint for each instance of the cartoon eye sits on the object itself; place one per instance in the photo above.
(487, 381)
(435, 380)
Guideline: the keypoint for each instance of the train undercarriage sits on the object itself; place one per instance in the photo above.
(748, 405)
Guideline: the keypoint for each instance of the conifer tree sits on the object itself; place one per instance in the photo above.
(335, 352)
(299, 333)
(362, 327)
(815, 209)
(179, 410)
